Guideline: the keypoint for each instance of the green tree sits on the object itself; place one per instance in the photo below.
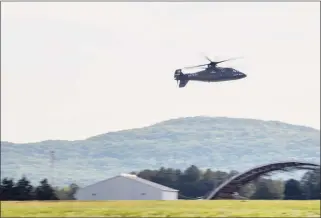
(7, 189)
(292, 190)
(265, 190)
(247, 190)
(147, 174)
(73, 188)
(24, 190)
(191, 174)
(66, 193)
(310, 183)
(220, 177)
(45, 191)
(207, 183)
(277, 189)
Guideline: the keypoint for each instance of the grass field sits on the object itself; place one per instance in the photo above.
(217, 208)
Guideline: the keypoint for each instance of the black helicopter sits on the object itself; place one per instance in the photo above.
(212, 73)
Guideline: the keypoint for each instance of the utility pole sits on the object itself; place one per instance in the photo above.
(52, 166)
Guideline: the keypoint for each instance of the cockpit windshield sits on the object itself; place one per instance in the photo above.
(236, 72)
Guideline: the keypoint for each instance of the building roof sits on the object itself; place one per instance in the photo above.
(137, 179)
(146, 182)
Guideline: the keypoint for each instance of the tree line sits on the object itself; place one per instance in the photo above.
(196, 183)
(192, 183)
(22, 190)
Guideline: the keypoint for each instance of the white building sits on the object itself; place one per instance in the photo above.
(126, 187)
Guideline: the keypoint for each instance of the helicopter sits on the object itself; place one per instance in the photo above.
(211, 73)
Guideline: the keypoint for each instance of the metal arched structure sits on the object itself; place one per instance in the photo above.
(233, 184)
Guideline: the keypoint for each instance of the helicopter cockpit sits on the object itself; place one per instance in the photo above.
(238, 73)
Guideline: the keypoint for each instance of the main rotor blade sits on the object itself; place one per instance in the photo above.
(226, 60)
(211, 62)
(208, 59)
(195, 66)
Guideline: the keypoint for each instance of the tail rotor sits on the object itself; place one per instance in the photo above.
(181, 78)
(177, 75)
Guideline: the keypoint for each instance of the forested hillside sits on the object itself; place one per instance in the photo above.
(216, 143)
(191, 182)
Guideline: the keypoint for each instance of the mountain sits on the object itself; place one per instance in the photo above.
(217, 143)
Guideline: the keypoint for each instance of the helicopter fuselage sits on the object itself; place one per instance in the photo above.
(215, 75)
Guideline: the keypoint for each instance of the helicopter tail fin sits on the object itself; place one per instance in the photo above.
(182, 83)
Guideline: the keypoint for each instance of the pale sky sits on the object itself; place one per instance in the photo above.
(75, 70)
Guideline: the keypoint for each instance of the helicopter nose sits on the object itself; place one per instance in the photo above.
(243, 75)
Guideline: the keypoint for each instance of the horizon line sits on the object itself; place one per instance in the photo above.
(159, 122)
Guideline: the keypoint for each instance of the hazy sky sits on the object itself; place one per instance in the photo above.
(74, 70)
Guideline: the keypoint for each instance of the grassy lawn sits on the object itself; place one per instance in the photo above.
(216, 208)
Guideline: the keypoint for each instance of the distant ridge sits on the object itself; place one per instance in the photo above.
(208, 142)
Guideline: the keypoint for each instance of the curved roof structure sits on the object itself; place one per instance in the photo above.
(234, 183)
